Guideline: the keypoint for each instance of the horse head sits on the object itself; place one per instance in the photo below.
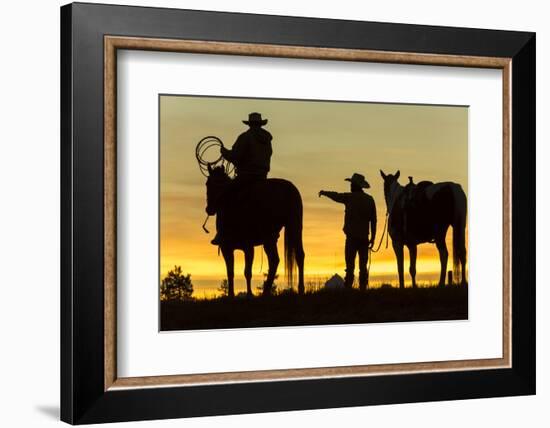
(392, 188)
(216, 184)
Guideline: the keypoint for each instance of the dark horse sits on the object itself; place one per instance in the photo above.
(423, 213)
(254, 216)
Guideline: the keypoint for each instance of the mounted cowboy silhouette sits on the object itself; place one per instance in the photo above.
(251, 209)
(422, 213)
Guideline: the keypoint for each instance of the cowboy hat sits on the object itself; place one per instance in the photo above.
(359, 180)
(255, 118)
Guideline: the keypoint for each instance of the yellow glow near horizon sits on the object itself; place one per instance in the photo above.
(316, 145)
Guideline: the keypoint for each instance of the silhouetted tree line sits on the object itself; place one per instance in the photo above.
(176, 286)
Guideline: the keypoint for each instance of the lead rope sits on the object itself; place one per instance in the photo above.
(372, 250)
(384, 231)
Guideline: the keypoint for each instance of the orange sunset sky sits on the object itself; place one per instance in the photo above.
(316, 144)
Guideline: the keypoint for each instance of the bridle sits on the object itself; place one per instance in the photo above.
(385, 231)
(219, 183)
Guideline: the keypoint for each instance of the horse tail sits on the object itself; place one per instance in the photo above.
(290, 257)
(459, 231)
(293, 236)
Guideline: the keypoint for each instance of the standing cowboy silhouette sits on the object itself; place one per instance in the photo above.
(251, 155)
(360, 213)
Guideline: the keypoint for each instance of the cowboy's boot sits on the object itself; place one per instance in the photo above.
(348, 280)
(363, 280)
(216, 241)
(219, 226)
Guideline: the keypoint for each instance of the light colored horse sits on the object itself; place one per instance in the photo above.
(409, 224)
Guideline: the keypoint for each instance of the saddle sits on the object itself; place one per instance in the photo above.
(241, 192)
(416, 193)
(417, 213)
(241, 221)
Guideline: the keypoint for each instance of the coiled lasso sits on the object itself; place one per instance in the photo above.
(203, 146)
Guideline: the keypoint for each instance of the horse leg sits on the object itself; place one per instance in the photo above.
(412, 263)
(463, 267)
(248, 260)
(398, 249)
(443, 257)
(229, 265)
(273, 261)
(460, 248)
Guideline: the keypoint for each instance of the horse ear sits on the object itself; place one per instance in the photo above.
(397, 174)
(209, 168)
(382, 174)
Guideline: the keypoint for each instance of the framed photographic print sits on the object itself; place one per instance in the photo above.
(265, 213)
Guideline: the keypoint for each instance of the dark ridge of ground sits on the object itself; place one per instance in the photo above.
(318, 308)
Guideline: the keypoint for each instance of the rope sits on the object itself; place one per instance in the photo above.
(384, 231)
(388, 212)
(372, 250)
(369, 258)
(203, 146)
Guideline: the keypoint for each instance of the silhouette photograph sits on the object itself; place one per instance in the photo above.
(280, 212)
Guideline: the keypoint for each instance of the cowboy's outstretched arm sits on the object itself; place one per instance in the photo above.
(335, 196)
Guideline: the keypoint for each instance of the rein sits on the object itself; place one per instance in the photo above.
(204, 224)
(216, 201)
(384, 231)
(205, 166)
